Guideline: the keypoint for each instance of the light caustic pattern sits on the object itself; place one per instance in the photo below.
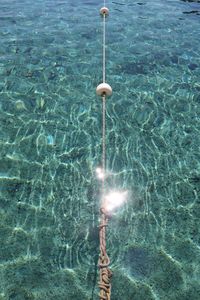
(50, 146)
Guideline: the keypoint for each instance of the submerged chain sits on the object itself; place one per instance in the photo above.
(104, 261)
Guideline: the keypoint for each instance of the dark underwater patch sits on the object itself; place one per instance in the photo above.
(117, 3)
(140, 262)
(192, 66)
(190, 1)
(196, 12)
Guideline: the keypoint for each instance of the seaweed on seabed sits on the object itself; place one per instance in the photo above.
(16, 292)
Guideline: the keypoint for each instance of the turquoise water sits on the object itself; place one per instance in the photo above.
(50, 146)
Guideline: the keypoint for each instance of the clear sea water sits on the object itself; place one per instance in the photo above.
(50, 146)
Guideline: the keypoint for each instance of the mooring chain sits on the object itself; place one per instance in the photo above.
(104, 261)
(104, 90)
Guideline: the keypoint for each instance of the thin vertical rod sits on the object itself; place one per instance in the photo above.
(103, 143)
(104, 48)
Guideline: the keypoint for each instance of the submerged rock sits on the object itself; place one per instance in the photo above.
(19, 105)
(40, 102)
(192, 67)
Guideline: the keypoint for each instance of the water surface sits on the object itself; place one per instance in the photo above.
(50, 145)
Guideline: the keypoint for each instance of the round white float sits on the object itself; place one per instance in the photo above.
(104, 11)
(104, 89)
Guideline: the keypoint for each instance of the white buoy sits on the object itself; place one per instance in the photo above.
(104, 11)
(104, 89)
